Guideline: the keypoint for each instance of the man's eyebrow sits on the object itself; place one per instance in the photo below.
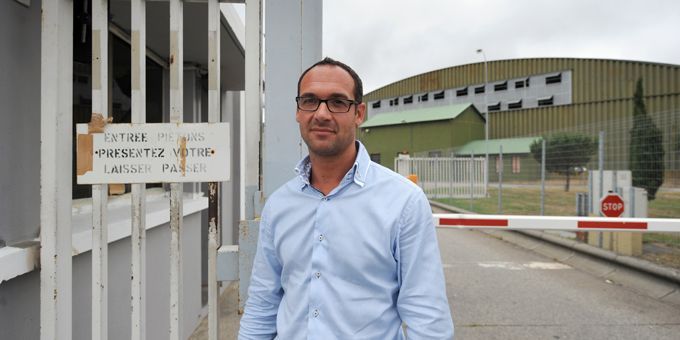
(332, 95)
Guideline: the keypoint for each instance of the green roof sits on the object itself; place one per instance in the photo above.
(510, 145)
(416, 116)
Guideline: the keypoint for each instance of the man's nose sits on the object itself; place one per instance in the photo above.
(323, 112)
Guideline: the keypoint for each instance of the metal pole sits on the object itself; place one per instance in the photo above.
(486, 121)
(543, 178)
(470, 170)
(214, 227)
(601, 165)
(56, 119)
(601, 184)
(100, 105)
(176, 189)
(500, 180)
(138, 232)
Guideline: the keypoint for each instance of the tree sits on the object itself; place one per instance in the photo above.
(565, 153)
(646, 148)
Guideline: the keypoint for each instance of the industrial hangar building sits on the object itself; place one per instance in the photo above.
(429, 114)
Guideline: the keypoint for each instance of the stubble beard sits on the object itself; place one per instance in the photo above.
(329, 147)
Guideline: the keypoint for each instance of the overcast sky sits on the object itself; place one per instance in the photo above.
(388, 40)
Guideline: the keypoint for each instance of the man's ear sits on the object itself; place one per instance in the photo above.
(360, 114)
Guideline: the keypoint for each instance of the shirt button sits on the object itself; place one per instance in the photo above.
(316, 313)
(324, 199)
(318, 275)
(321, 237)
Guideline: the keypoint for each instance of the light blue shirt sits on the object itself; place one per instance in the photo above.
(351, 265)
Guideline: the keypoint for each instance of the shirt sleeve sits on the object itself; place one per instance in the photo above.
(422, 301)
(265, 292)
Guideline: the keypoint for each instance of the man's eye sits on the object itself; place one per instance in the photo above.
(337, 102)
(309, 100)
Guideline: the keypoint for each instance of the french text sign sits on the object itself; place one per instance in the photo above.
(153, 153)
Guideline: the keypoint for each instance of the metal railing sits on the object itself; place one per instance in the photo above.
(454, 177)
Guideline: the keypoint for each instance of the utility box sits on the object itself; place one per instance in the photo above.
(611, 180)
(635, 205)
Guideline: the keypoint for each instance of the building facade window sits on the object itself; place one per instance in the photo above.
(376, 105)
(408, 100)
(439, 95)
(479, 89)
(546, 101)
(515, 105)
(494, 107)
(424, 97)
(501, 86)
(554, 79)
(462, 92)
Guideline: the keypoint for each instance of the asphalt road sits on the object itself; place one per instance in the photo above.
(500, 291)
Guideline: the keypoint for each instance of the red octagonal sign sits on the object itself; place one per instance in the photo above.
(612, 205)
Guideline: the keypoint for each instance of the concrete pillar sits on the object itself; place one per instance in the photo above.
(293, 30)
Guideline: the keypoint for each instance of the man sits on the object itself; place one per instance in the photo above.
(347, 249)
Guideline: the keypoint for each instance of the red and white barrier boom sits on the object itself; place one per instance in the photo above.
(569, 223)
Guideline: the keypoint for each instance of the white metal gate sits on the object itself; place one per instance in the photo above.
(454, 177)
(56, 268)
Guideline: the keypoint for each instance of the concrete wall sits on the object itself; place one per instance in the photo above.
(20, 297)
(20, 128)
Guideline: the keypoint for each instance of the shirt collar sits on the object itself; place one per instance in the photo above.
(358, 172)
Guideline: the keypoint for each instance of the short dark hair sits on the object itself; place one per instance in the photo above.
(358, 86)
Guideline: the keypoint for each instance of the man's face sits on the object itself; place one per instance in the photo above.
(329, 134)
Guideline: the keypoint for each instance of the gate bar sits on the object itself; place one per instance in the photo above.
(138, 232)
(100, 105)
(56, 116)
(568, 223)
(176, 189)
(214, 227)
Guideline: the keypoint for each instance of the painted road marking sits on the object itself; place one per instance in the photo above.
(523, 266)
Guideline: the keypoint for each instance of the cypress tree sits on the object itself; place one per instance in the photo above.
(646, 148)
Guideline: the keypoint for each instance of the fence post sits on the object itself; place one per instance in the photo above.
(470, 171)
(543, 177)
(600, 162)
(500, 180)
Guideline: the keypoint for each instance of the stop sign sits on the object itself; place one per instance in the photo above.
(611, 205)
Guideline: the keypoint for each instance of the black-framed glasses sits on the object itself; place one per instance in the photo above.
(334, 105)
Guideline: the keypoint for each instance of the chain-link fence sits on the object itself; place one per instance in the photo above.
(545, 174)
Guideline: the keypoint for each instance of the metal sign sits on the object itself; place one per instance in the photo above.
(612, 205)
(152, 153)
